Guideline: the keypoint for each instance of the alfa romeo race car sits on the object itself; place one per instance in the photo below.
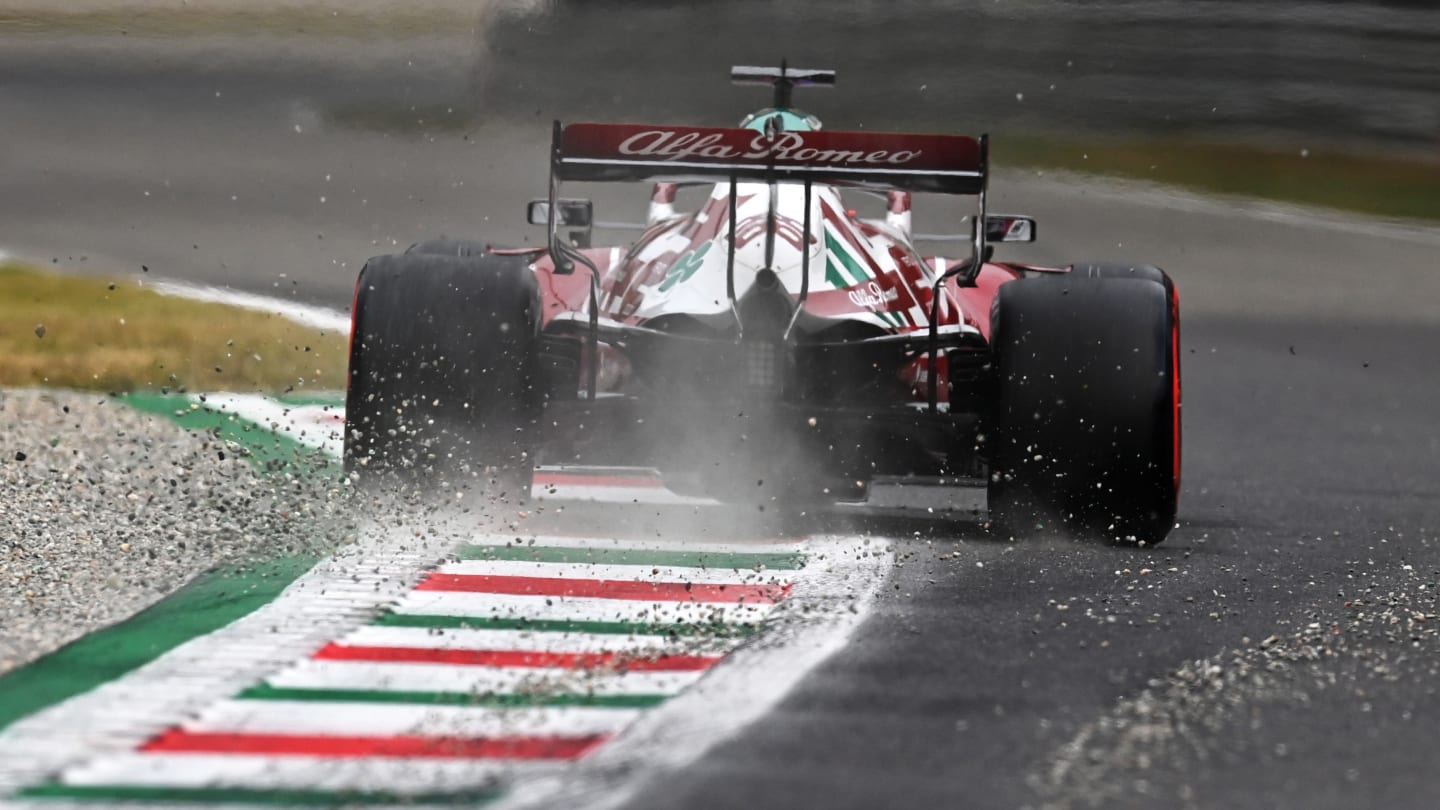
(773, 346)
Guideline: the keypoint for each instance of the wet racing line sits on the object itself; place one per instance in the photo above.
(527, 668)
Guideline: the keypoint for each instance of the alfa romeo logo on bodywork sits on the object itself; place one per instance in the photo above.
(685, 267)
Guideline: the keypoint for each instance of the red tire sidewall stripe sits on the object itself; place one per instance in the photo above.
(1175, 382)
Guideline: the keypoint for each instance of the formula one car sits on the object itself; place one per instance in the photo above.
(772, 345)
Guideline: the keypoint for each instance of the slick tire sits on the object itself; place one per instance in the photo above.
(1085, 432)
(442, 395)
(462, 248)
(1148, 272)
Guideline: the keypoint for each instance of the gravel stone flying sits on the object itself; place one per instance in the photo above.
(104, 510)
(1352, 679)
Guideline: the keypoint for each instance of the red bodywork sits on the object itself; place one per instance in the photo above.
(621, 274)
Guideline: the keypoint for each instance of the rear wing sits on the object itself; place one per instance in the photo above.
(943, 164)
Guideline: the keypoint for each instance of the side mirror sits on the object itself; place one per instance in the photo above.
(571, 213)
(1009, 228)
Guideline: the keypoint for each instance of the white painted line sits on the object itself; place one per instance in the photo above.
(609, 485)
(627, 573)
(377, 774)
(827, 606)
(478, 680)
(681, 543)
(468, 639)
(121, 715)
(323, 318)
(323, 428)
(1234, 206)
(311, 425)
(565, 608)
(399, 719)
(92, 804)
(194, 684)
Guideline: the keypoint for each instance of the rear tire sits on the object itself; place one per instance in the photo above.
(1148, 272)
(441, 391)
(463, 248)
(1085, 433)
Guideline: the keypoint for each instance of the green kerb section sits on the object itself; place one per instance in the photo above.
(294, 798)
(489, 701)
(205, 605)
(266, 449)
(301, 399)
(739, 561)
(713, 630)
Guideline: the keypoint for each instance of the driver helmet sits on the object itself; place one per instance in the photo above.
(790, 120)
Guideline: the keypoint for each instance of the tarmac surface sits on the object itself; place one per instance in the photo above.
(1268, 654)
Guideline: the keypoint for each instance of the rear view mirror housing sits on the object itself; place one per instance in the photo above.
(571, 213)
(1009, 228)
(998, 228)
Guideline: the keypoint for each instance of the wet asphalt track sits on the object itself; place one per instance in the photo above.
(1312, 469)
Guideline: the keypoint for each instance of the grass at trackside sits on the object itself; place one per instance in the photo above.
(1377, 185)
(208, 603)
(1372, 184)
(92, 333)
(114, 335)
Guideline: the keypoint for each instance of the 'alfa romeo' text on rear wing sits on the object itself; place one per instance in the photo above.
(944, 164)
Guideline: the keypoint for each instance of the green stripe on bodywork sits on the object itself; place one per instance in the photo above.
(836, 249)
(266, 449)
(736, 560)
(222, 795)
(710, 629)
(506, 701)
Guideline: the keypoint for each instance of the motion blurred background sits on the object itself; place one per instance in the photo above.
(1357, 73)
(1280, 159)
(126, 126)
